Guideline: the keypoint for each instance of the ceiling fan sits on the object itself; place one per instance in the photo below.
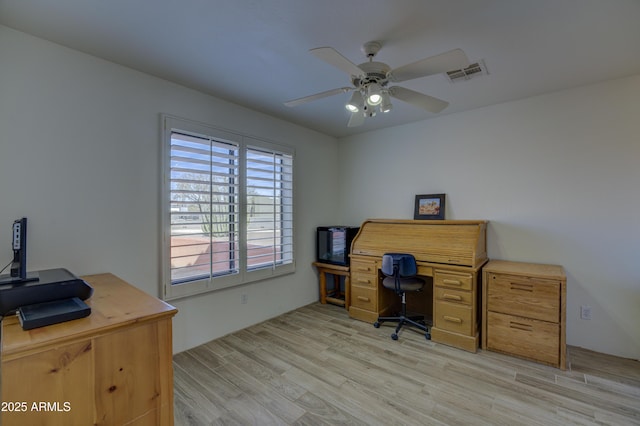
(371, 81)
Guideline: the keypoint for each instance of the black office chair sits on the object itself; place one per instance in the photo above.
(400, 271)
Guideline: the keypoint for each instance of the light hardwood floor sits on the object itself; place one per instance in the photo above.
(316, 366)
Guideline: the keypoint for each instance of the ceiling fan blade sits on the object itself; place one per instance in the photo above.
(356, 119)
(299, 101)
(452, 60)
(332, 57)
(418, 99)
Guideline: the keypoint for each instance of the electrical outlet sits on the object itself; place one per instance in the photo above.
(244, 298)
(585, 312)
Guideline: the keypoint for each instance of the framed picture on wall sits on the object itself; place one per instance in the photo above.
(429, 207)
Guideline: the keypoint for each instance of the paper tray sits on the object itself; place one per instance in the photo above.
(47, 313)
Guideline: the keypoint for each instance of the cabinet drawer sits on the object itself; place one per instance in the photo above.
(523, 296)
(528, 338)
(453, 296)
(364, 298)
(461, 281)
(452, 317)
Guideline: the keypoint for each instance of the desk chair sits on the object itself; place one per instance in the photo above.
(400, 271)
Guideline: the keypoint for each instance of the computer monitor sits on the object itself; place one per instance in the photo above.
(19, 272)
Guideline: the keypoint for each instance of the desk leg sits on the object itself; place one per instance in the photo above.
(347, 292)
(336, 286)
(323, 286)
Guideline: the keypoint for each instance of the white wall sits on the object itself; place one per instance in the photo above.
(556, 175)
(80, 158)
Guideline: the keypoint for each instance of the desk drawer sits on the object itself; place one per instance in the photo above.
(364, 280)
(364, 298)
(453, 317)
(528, 338)
(453, 296)
(459, 280)
(366, 267)
(524, 296)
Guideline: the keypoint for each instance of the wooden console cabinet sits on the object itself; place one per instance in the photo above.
(113, 367)
(524, 309)
(452, 252)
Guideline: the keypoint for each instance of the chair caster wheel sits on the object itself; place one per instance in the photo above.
(376, 324)
(427, 336)
(394, 336)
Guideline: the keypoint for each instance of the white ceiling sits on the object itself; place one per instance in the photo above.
(255, 52)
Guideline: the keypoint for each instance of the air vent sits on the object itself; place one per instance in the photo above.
(473, 70)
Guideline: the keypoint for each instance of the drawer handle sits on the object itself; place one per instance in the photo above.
(364, 280)
(452, 297)
(522, 287)
(520, 326)
(363, 269)
(452, 319)
(452, 282)
(363, 298)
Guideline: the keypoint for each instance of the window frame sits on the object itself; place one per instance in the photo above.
(245, 275)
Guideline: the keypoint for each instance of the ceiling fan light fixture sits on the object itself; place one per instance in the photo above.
(385, 104)
(355, 103)
(374, 94)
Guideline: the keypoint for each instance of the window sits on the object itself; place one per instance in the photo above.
(269, 208)
(227, 210)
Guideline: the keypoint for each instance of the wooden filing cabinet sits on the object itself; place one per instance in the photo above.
(524, 311)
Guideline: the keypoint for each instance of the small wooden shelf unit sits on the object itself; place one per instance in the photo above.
(334, 296)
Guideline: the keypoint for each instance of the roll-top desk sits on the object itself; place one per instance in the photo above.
(452, 252)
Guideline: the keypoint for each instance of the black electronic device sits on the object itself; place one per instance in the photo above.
(333, 244)
(54, 284)
(47, 313)
(19, 272)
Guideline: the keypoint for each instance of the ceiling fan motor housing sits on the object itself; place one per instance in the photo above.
(376, 72)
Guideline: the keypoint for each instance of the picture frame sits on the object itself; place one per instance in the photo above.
(429, 207)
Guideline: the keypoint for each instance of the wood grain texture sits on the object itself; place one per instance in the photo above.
(115, 304)
(450, 251)
(524, 310)
(317, 366)
(456, 242)
(113, 367)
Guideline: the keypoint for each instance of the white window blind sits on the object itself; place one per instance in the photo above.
(204, 207)
(227, 209)
(269, 208)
